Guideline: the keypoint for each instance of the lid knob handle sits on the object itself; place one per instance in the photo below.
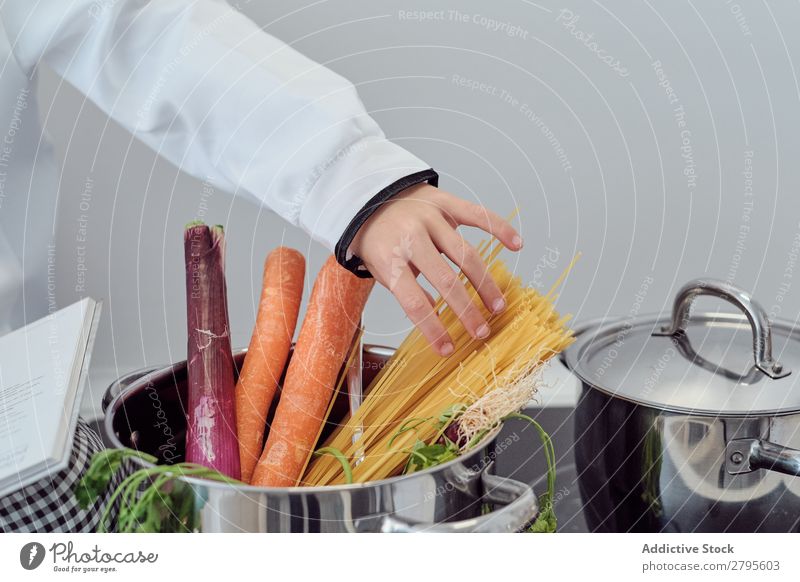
(759, 322)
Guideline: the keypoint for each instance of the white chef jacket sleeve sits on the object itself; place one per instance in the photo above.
(209, 90)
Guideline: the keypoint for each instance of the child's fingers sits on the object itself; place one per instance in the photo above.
(415, 272)
(465, 256)
(416, 302)
(481, 217)
(429, 261)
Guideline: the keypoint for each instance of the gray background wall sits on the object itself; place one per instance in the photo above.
(593, 154)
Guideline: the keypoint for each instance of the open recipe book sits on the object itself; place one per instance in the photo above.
(42, 372)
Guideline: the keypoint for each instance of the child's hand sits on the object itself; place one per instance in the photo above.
(408, 236)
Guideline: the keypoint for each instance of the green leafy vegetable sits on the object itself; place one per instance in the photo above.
(441, 449)
(447, 418)
(546, 522)
(423, 456)
(102, 468)
(408, 425)
(151, 499)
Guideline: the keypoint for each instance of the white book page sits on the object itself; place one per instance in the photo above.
(37, 366)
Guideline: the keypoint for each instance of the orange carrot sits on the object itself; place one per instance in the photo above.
(281, 294)
(333, 313)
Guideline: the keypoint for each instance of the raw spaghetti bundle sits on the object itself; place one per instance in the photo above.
(418, 393)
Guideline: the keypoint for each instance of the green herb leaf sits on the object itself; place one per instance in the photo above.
(151, 499)
(447, 418)
(408, 425)
(423, 456)
(450, 414)
(102, 468)
(546, 521)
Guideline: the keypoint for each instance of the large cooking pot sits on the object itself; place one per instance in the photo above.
(690, 423)
(146, 411)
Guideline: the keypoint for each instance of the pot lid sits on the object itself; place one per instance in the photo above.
(710, 364)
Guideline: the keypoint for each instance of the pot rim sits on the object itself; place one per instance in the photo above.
(593, 327)
(344, 487)
(135, 386)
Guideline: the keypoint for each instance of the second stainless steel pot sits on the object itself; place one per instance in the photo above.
(145, 411)
(690, 423)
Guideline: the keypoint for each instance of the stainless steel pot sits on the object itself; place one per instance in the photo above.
(145, 411)
(690, 423)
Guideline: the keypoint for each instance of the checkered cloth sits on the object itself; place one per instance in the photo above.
(49, 505)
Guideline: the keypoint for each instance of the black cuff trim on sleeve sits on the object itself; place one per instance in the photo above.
(354, 264)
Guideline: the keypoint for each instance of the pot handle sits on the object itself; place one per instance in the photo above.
(120, 384)
(520, 507)
(756, 315)
(748, 455)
